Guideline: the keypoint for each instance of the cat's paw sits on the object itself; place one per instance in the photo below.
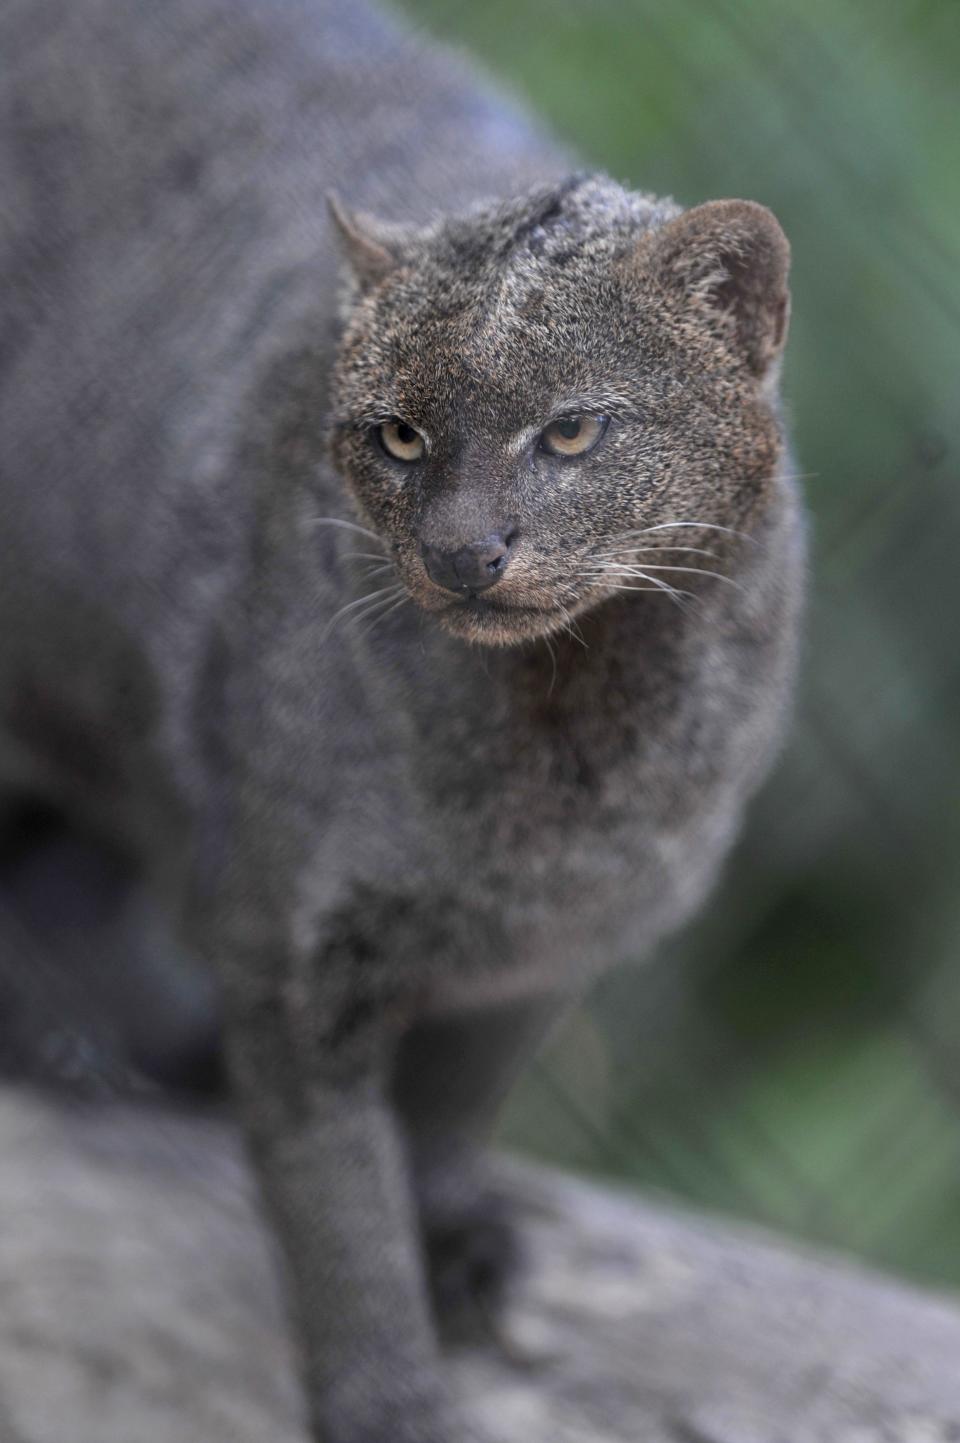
(474, 1254)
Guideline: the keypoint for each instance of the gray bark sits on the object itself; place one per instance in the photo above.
(141, 1304)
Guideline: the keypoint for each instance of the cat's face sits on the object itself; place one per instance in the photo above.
(544, 403)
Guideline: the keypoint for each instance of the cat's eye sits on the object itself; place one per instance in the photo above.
(572, 435)
(401, 441)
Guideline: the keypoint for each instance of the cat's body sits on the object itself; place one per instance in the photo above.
(369, 825)
(164, 230)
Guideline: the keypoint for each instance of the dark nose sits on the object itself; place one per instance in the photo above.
(473, 568)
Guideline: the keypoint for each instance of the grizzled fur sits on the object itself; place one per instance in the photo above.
(567, 301)
(404, 824)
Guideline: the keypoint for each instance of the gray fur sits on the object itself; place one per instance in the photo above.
(382, 834)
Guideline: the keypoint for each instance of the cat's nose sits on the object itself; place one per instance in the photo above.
(472, 568)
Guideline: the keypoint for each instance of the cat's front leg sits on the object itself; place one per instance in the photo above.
(450, 1077)
(306, 1043)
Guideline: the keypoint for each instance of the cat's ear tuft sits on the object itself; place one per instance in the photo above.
(365, 243)
(733, 257)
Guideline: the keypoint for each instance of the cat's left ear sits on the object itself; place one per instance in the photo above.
(731, 257)
(370, 246)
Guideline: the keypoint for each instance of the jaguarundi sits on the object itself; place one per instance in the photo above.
(401, 565)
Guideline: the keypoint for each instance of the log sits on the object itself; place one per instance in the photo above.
(141, 1304)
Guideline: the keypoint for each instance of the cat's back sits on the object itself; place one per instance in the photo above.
(164, 172)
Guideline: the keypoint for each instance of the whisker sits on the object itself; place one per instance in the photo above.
(688, 570)
(571, 629)
(697, 525)
(800, 476)
(377, 600)
(553, 661)
(379, 608)
(654, 590)
(371, 571)
(352, 606)
(364, 556)
(385, 609)
(675, 593)
(347, 525)
(632, 550)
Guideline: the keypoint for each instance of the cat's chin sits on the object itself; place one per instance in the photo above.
(481, 621)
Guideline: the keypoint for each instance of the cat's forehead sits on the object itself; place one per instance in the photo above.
(517, 346)
(514, 255)
(501, 350)
(508, 309)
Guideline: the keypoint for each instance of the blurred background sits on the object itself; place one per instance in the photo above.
(796, 1058)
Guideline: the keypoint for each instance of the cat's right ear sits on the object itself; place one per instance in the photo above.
(365, 242)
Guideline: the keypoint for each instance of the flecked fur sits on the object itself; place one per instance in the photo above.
(402, 839)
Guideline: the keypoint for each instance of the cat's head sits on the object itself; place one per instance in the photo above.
(535, 402)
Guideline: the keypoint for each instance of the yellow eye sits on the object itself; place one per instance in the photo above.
(572, 435)
(401, 441)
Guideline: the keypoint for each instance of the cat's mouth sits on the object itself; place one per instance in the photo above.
(532, 601)
(497, 622)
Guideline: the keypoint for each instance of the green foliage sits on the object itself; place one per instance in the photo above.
(796, 1057)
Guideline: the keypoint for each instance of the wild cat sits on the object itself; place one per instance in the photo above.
(409, 585)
